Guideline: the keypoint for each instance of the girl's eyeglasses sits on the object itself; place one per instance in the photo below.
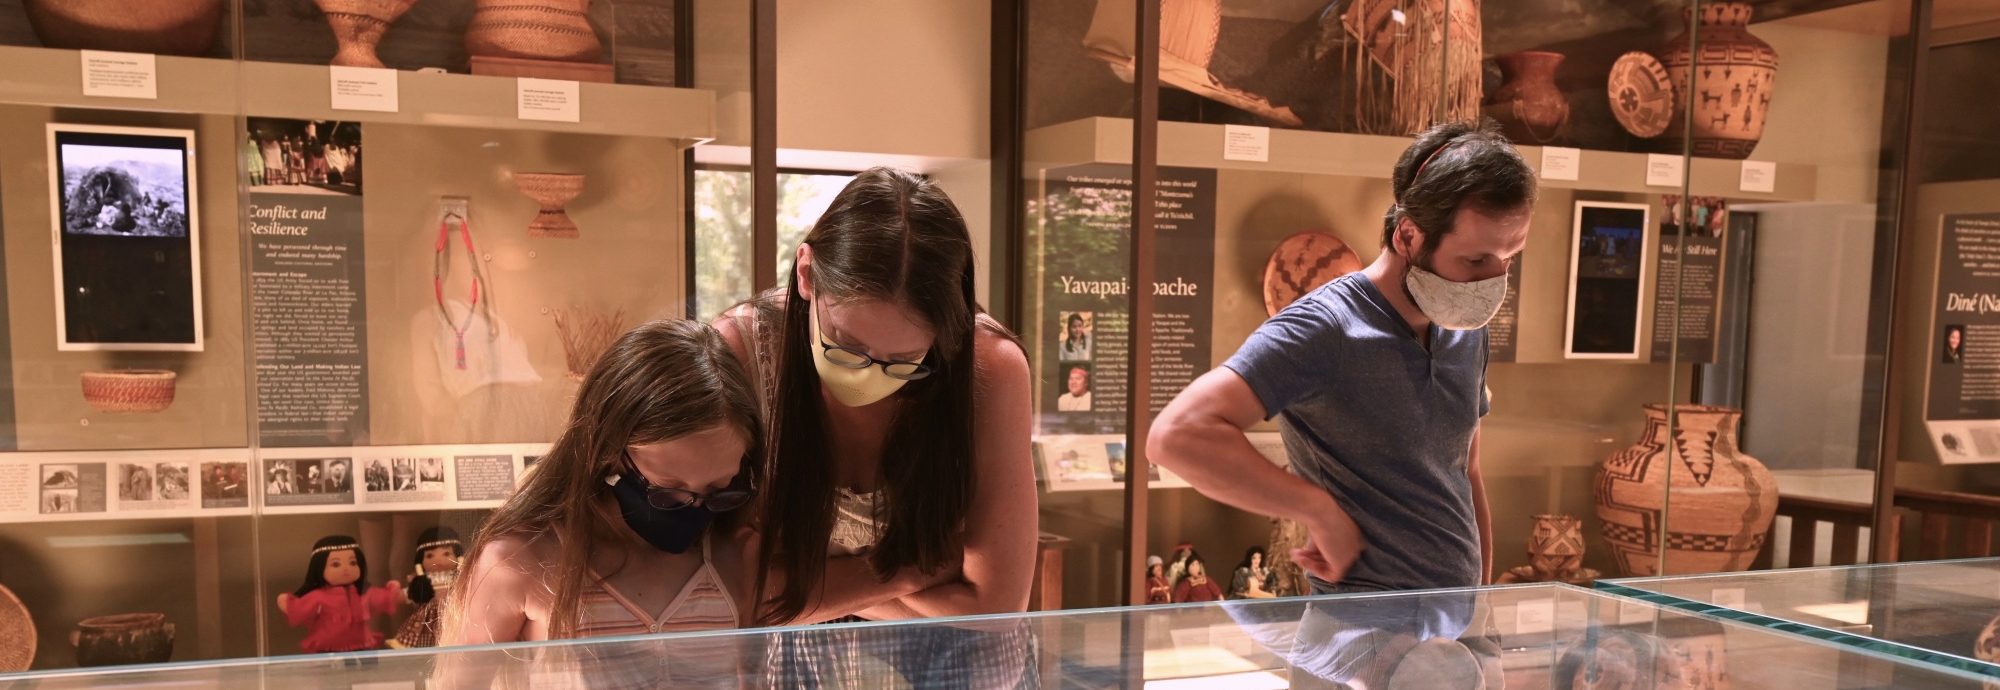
(850, 358)
(669, 498)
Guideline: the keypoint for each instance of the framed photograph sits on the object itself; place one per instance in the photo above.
(126, 233)
(1609, 249)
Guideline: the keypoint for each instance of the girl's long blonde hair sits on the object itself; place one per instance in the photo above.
(659, 381)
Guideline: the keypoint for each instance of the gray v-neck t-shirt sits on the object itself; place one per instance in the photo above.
(1382, 424)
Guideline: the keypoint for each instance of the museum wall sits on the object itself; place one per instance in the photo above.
(1808, 343)
(907, 77)
(49, 406)
(629, 257)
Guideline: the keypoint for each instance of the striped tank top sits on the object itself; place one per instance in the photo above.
(703, 604)
(644, 661)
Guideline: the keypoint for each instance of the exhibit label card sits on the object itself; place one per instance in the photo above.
(1085, 279)
(1665, 170)
(309, 299)
(1962, 403)
(1561, 163)
(120, 75)
(1759, 176)
(363, 88)
(548, 100)
(1696, 279)
(1246, 143)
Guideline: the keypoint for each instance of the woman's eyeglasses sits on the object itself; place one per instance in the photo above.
(850, 358)
(669, 498)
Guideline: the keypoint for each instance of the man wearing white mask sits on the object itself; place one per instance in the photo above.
(1378, 379)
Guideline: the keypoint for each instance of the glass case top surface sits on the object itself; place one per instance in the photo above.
(1538, 636)
(1939, 611)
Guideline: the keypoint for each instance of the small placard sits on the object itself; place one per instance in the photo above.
(1727, 597)
(120, 75)
(1560, 163)
(1664, 170)
(1246, 143)
(550, 100)
(1759, 176)
(1632, 612)
(363, 88)
(1535, 616)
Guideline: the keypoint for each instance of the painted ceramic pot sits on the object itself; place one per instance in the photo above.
(1301, 264)
(1722, 501)
(553, 191)
(556, 30)
(129, 390)
(17, 634)
(1640, 94)
(1733, 78)
(1555, 547)
(358, 25)
(1528, 106)
(123, 639)
(164, 27)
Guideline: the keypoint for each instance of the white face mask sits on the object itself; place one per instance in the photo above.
(851, 387)
(1454, 305)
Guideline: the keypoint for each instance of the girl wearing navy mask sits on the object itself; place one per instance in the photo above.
(632, 523)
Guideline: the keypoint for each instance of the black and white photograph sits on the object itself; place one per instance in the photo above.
(1073, 338)
(1954, 344)
(125, 203)
(135, 483)
(310, 475)
(59, 501)
(223, 483)
(376, 477)
(172, 478)
(339, 476)
(404, 474)
(59, 477)
(133, 187)
(1608, 252)
(430, 474)
(302, 482)
(278, 479)
(303, 156)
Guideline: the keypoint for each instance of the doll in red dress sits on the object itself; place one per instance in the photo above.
(336, 605)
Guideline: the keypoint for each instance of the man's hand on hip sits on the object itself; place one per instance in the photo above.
(1333, 543)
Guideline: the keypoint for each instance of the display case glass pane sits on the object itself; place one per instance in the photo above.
(1540, 636)
(1938, 612)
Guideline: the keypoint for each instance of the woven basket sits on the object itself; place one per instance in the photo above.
(129, 390)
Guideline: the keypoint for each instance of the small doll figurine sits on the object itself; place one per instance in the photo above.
(1158, 590)
(335, 604)
(437, 560)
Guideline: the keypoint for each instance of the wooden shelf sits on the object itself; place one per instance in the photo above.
(52, 78)
(1189, 145)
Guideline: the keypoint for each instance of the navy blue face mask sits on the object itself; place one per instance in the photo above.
(672, 531)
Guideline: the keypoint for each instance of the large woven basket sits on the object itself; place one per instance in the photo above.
(129, 390)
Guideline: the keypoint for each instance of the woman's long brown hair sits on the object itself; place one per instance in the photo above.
(890, 235)
(660, 381)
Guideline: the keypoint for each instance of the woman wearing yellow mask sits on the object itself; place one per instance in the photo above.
(899, 419)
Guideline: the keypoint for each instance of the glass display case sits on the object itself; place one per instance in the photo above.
(1643, 418)
(1534, 636)
(1938, 612)
(227, 334)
